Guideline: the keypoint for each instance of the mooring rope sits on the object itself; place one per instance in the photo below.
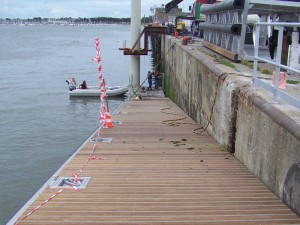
(174, 122)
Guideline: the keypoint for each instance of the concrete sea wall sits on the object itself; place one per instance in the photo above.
(264, 138)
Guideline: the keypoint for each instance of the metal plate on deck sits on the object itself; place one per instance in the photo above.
(69, 182)
(124, 113)
(100, 139)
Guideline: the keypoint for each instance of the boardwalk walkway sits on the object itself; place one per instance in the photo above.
(160, 174)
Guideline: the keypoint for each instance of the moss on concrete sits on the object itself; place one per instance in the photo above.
(169, 90)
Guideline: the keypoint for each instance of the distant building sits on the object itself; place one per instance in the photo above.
(162, 17)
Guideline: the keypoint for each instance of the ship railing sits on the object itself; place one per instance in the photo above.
(277, 93)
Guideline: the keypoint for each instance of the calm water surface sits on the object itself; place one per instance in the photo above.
(40, 126)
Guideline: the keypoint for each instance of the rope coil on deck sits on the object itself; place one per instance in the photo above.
(174, 122)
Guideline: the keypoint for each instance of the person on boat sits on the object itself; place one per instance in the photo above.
(83, 85)
(149, 76)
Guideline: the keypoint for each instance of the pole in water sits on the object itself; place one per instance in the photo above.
(135, 32)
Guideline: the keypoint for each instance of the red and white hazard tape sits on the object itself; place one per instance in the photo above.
(103, 114)
(39, 206)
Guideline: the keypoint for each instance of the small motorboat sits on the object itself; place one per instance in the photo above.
(94, 91)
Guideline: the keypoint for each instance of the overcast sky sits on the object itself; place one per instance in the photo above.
(24, 9)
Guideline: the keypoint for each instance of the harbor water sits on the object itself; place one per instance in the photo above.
(40, 125)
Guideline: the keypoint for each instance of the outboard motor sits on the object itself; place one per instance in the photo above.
(71, 85)
(71, 88)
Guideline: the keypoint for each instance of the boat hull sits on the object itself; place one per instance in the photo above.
(95, 91)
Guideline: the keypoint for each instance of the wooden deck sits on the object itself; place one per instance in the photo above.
(159, 174)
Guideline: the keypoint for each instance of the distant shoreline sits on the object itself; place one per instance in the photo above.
(70, 21)
(62, 24)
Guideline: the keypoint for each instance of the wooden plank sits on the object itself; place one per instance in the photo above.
(228, 54)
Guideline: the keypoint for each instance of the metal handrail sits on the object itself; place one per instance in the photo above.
(276, 92)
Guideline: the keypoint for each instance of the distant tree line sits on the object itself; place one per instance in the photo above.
(80, 20)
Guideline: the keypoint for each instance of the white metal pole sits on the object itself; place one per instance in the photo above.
(278, 62)
(256, 48)
(135, 32)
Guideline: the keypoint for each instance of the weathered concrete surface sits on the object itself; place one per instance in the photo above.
(203, 89)
(268, 144)
(265, 137)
